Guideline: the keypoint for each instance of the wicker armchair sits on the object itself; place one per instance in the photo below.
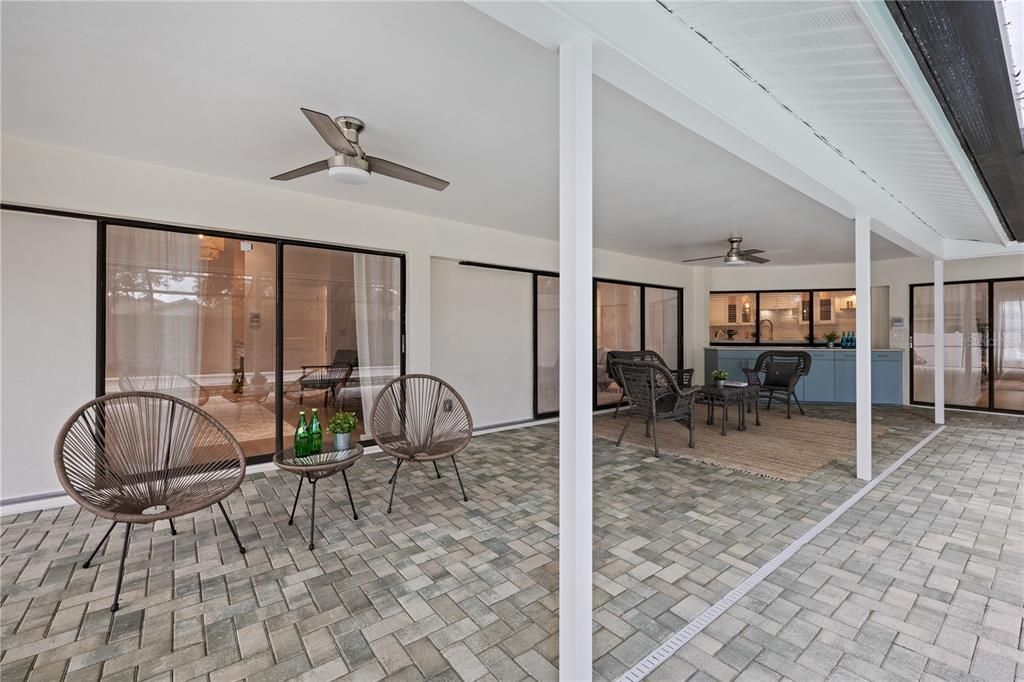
(684, 377)
(776, 374)
(654, 395)
(142, 457)
(420, 418)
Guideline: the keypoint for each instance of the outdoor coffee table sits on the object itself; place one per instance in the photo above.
(726, 395)
(315, 467)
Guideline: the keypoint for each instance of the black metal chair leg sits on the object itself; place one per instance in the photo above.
(99, 546)
(120, 572)
(769, 406)
(436, 469)
(464, 497)
(623, 434)
(654, 424)
(617, 406)
(174, 531)
(355, 515)
(798, 404)
(788, 416)
(312, 515)
(393, 482)
(291, 519)
(241, 550)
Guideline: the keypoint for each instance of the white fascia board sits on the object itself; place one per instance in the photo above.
(878, 20)
(959, 249)
(644, 52)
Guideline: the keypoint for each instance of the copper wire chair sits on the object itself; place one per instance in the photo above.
(141, 457)
(420, 418)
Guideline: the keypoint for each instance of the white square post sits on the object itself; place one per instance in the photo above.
(939, 299)
(575, 355)
(862, 267)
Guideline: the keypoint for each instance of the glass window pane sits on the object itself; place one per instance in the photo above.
(194, 316)
(785, 317)
(342, 332)
(732, 318)
(834, 311)
(1008, 344)
(547, 344)
(966, 344)
(617, 320)
(661, 324)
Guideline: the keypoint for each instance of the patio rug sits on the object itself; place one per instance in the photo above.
(783, 449)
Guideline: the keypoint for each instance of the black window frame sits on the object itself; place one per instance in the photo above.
(816, 343)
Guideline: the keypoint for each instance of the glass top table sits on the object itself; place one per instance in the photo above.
(314, 467)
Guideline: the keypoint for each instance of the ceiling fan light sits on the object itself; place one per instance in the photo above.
(733, 259)
(349, 175)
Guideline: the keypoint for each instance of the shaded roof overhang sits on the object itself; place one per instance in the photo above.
(959, 49)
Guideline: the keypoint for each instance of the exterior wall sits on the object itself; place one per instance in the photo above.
(91, 183)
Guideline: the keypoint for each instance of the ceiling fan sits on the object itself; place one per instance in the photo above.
(734, 256)
(350, 164)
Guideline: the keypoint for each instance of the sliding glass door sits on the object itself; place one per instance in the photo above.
(197, 316)
(983, 340)
(342, 332)
(1008, 345)
(616, 327)
(627, 316)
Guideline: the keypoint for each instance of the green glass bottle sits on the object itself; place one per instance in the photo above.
(301, 436)
(316, 434)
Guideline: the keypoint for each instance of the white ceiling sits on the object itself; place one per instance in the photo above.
(216, 88)
(819, 60)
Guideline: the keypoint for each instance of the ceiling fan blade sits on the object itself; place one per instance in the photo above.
(751, 252)
(755, 259)
(694, 260)
(399, 172)
(314, 167)
(330, 131)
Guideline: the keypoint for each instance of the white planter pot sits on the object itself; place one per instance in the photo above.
(719, 383)
(342, 441)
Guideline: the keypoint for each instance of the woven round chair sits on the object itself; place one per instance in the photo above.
(420, 418)
(141, 457)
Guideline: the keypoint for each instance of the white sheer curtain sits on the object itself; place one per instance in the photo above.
(377, 282)
(154, 324)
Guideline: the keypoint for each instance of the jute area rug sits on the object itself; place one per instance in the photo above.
(784, 449)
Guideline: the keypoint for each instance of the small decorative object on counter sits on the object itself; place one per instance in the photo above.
(301, 443)
(831, 339)
(316, 434)
(853, 340)
(342, 425)
(719, 376)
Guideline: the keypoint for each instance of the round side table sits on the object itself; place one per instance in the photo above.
(315, 467)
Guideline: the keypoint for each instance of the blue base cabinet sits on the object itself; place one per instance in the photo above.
(833, 375)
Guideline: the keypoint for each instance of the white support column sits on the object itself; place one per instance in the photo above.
(939, 300)
(862, 251)
(576, 355)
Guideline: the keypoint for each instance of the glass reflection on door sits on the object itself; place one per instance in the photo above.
(1008, 345)
(617, 321)
(546, 351)
(661, 323)
(966, 340)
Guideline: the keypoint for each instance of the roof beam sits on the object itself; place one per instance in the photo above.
(642, 50)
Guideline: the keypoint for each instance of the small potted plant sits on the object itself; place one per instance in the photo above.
(342, 425)
(831, 337)
(719, 376)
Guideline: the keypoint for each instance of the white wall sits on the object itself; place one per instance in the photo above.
(104, 185)
(47, 356)
(482, 339)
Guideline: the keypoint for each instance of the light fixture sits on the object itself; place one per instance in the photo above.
(350, 170)
(734, 259)
(210, 248)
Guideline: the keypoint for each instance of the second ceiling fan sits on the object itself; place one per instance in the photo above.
(350, 164)
(735, 255)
